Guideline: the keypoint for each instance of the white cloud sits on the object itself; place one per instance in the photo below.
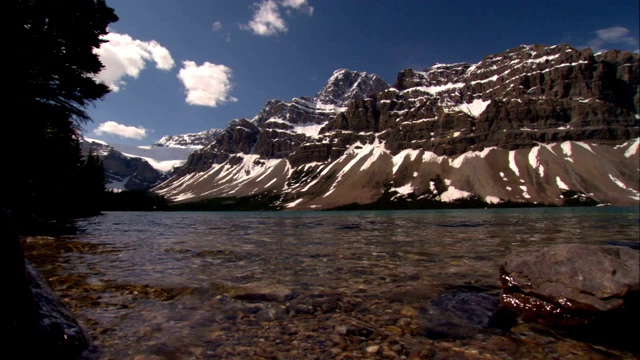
(301, 5)
(610, 37)
(124, 56)
(114, 128)
(207, 84)
(217, 26)
(267, 18)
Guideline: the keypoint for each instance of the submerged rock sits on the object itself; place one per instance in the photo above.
(459, 313)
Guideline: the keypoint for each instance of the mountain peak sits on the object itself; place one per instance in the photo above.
(346, 85)
(191, 140)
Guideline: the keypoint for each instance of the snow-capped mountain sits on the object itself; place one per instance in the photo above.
(130, 167)
(532, 124)
(192, 141)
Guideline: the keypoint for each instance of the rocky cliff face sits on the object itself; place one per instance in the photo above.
(531, 124)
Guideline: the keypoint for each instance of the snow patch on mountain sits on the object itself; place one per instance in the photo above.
(475, 108)
(561, 184)
(512, 163)
(632, 147)
(452, 194)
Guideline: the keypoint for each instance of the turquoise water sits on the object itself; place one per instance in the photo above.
(137, 280)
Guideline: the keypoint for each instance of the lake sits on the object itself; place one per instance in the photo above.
(306, 285)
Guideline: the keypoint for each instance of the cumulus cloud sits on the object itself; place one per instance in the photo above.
(612, 37)
(267, 18)
(114, 128)
(124, 56)
(207, 84)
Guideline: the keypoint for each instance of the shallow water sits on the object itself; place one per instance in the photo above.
(196, 285)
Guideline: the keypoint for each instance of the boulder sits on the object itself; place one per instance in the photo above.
(53, 327)
(587, 292)
(571, 279)
(36, 323)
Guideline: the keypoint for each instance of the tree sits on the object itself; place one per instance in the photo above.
(53, 52)
(52, 81)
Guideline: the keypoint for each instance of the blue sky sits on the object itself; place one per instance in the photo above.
(182, 66)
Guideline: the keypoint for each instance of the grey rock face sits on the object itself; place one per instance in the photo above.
(512, 100)
(345, 85)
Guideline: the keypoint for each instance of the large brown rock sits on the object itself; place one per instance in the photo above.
(571, 278)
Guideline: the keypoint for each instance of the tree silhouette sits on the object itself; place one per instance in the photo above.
(53, 56)
(52, 68)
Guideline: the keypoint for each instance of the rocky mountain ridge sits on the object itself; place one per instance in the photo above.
(190, 140)
(522, 125)
(142, 167)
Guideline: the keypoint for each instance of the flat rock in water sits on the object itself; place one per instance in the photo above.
(571, 278)
(458, 314)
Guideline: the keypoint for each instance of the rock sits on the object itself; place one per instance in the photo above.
(571, 278)
(373, 349)
(588, 292)
(56, 331)
(311, 303)
(36, 323)
(271, 313)
(458, 314)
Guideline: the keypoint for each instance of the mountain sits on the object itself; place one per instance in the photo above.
(188, 141)
(142, 167)
(531, 125)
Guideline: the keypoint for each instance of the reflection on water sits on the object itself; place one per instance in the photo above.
(296, 284)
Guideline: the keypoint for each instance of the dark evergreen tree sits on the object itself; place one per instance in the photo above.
(52, 64)
(92, 184)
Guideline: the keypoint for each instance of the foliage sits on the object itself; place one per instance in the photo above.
(52, 66)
